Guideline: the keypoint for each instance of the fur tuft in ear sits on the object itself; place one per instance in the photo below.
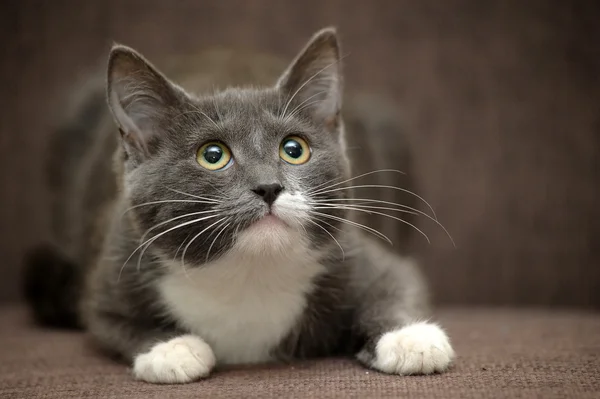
(313, 81)
(139, 97)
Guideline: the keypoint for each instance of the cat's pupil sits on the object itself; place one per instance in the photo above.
(293, 148)
(213, 154)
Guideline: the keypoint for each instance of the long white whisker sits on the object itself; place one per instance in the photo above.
(371, 201)
(330, 235)
(195, 237)
(362, 205)
(158, 236)
(151, 240)
(350, 207)
(413, 212)
(180, 246)
(216, 237)
(356, 224)
(327, 223)
(175, 218)
(380, 186)
(163, 202)
(194, 196)
(319, 188)
(308, 192)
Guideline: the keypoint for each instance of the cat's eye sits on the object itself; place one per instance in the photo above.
(214, 156)
(294, 150)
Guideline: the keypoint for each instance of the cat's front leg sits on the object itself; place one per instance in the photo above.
(160, 356)
(390, 315)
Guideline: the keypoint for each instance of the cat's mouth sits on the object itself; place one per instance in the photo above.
(269, 220)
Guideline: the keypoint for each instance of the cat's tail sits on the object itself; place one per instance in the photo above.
(52, 286)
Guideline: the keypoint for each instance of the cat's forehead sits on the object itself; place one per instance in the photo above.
(239, 102)
(250, 117)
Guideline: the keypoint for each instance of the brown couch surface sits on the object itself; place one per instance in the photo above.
(501, 354)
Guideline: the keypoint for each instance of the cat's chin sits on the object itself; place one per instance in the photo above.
(269, 235)
(268, 222)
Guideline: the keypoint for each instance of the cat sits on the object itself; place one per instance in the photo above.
(222, 228)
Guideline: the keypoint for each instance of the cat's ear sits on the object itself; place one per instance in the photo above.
(313, 81)
(139, 97)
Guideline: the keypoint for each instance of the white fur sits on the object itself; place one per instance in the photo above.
(180, 360)
(291, 207)
(247, 301)
(420, 348)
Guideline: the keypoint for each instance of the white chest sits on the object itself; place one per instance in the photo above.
(242, 306)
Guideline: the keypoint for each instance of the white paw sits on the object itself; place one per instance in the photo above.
(180, 360)
(420, 348)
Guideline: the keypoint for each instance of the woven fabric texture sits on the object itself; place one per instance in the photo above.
(501, 354)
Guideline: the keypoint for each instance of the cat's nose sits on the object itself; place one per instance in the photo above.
(268, 192)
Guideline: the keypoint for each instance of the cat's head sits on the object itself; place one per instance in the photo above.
(240, 169)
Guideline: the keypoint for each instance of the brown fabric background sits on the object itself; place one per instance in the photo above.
(501, 102)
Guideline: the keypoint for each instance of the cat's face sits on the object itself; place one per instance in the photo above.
(240, 169)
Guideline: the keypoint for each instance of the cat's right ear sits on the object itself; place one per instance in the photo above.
(139, 97)
(314, 79)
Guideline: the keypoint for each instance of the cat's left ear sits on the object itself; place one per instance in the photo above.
(313, 81)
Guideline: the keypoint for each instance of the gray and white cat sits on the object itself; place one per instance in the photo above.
(220, 231)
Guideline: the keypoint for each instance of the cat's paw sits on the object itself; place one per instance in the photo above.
(421, 348)
(183, 359)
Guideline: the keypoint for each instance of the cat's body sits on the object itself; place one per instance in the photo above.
(253, 261)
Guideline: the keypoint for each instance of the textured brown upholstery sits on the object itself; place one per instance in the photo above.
(502, 354)
(500, 101)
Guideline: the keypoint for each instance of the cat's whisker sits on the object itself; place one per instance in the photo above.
(357, 225)
(163, 202)
(236, 230)
(183, 263)
(412, 211)
(213, 200)
(181, 246)
(362, 205)
(371, 201)
(302, 225)
(321, 187)
(327, 223)
(195, 237)
(370, 211)
(216, 237)
(380, 186)
(151, 240)
(332, 237)
(175, 218)
(312, 190)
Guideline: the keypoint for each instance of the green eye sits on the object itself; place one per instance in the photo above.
(214, 156)
(294, 150)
